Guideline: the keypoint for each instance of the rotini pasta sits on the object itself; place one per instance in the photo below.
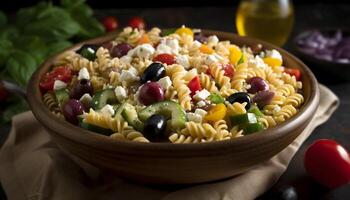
(172, 88)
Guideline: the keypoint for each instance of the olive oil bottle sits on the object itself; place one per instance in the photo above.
(269, 20)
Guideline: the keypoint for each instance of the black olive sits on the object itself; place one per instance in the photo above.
(285, 192)
(239, 97)
(154, 72)
(88, 51)
(154, 127)
(80, 88)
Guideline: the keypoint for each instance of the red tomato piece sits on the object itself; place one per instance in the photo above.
(62, 73)
(165, 58)
(293, 72)
(328, 163)
(194, 85)
(229, 72)
(137, 22)
(110, 23)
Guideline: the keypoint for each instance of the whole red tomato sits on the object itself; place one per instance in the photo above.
(137, 22)
(110, 23)
(328, 163)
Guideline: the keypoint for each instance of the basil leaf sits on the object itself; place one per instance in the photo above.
(33, 45)
(216, 98)
(21, 66)
(3, 19)
(6, 48)
(241, 60)
(71, 3)
(51, 24)
(9, 33)
(56, 47)
(168, 31)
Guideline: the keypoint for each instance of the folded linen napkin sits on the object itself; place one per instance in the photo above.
(32, 167)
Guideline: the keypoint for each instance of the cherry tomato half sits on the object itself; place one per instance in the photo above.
(229, 72)
(194, 85)
(137, 22)
(62, 73)
(293, 72)
(110, 23)
(328, 163)
(165, 58)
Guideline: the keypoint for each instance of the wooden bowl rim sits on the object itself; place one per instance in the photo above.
(88, 138)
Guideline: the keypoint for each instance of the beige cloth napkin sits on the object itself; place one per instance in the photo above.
(32, 167)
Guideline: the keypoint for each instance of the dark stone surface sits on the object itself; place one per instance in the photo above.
(307, 16)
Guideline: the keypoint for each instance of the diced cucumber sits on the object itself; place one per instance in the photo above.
(62, 96)
(252, 128)
(130, 115)
(102, 98)
(169, 109)
(247, 118)
(254, 109)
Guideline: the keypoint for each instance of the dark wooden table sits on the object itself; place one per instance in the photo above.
(307, 16)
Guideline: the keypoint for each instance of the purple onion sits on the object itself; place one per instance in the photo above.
(263, 98)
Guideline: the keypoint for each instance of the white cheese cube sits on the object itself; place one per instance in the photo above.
(108, 110)
(274, 54)
(196, 44)
(211, 59)
(200, 112)
(83, 74)
(163, 48)
(125, 59)
(129, 75)
(120, 93)
(194, 117)
(142, 51)
(201, 95)
(165, 82)
(213, 40)
(183, 60)
(59, 85)
(201, 103)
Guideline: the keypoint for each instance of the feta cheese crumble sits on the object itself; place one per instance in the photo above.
(59, 85)
(165, 82)
(108, 110)
(201, 95)
(120, 93)
(83, 74)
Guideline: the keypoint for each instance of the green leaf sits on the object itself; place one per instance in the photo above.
(169, 31)
(9, 33)
(216, 98)
(71, 3)
(6, 48)
(33, 45)
(48, 22)
(3, 19)
(241, 60)
(56, 47)
(15, 108)
(21, 66)
(89, 26)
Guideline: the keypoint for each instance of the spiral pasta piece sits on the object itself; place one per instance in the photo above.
(295, 100)
(129, 134)
(183, 92)
(114, 78)
(267, 121)
(291, 80)
(105, 121)
(221, 130)
(236, 108)
(103, 59)
(208, 83)
(199, 130)
(285, 113)
(50, 100)
(236, 132)
(219, 75)
(238, 80)
(179, 138)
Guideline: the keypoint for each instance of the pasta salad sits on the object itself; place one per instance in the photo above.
(178, 87)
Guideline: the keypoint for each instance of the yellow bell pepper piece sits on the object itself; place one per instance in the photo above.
(205, 49)
(273, 62)
(184, 30)
(235, 54)
(216, 113)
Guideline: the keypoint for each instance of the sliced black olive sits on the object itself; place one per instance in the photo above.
(239, 97)
(154, 72)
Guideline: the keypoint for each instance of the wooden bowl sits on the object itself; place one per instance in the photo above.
(165, 163)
